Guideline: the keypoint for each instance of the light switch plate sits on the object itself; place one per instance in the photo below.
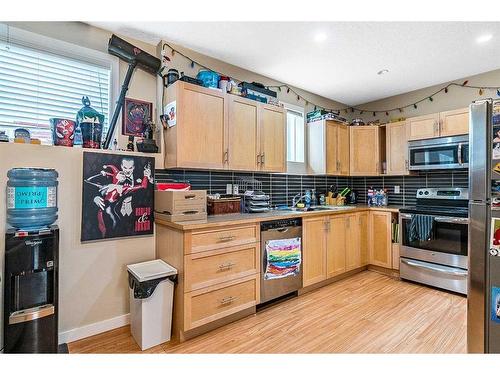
(236, 189)
(397, 190)
(229, 188)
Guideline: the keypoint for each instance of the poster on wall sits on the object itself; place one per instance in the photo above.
(136, 113)
(117, 196)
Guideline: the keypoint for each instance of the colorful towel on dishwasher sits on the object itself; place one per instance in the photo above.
(283, 258)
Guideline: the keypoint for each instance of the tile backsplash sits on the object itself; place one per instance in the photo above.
(283, 187)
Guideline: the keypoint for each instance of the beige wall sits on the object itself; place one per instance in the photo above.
(93, 278)
(456, 97)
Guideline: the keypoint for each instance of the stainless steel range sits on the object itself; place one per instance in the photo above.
(434, 237)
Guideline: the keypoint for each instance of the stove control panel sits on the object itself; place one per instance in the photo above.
(443, 193)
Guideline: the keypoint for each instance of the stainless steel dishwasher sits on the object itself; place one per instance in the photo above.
(281, 258)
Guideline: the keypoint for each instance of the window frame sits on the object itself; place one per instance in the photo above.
(293, 166)
(28, 39)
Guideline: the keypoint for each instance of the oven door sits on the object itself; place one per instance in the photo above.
(447, 245)
(438, 156)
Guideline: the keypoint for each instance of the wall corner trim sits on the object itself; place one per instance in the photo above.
(93, 329)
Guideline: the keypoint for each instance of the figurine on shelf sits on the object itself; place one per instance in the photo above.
(147, 143)
(130, 144)
(89, 122)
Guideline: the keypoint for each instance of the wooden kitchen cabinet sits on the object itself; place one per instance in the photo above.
(353, 250)
(380, 239)
(216, 130)
(314, 234)
(397, 148)
(441, 124)
(328, 149)
(367, 150)
(243, 134)
(423, 127)
(272, 138)
(337, 240)
(363, 235)
(198, 138)
(455, 122)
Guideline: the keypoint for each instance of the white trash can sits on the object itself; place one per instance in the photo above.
(151, 298)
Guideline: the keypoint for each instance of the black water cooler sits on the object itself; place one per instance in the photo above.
(31, 291)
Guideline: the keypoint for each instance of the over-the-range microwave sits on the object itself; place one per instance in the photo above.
(439, 153)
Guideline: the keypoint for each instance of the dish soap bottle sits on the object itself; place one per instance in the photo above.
(307, 199)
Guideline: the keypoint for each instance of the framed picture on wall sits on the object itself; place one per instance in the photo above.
(135, 114)
(117, 196)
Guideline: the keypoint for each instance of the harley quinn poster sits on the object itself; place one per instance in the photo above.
(117, 198)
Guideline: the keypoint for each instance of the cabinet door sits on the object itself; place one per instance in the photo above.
(336, 245)
(314, 250)
(343, 149)
(364, 151)
(353, 253)
(243, 130)
(272, 139)
(332, 165)
(423, 127)
(454, 122)
(380, 239)
(397, 148)
(201, 128)
(363, 224)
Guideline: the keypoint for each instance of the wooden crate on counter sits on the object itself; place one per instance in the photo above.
(179, 205)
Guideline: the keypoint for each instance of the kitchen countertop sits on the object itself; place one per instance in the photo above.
(233, 219)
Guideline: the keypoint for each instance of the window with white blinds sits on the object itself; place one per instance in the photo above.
(36, 86)
(295, 136)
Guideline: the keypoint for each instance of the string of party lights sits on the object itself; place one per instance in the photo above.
(445, 89)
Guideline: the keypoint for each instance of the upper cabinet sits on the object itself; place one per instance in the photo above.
(367, 150)
(198, 138)
(215, 130)
(423, 127)
(441, 124)
(454, 122)
(396, 135)
(328, 149)
(272, 139)
(243, 134)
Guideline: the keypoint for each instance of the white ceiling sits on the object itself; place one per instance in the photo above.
(344, 66)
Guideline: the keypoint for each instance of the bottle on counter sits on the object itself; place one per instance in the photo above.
(307, 198)
(314, 200)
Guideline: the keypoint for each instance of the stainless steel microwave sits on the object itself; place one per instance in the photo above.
(439, 153)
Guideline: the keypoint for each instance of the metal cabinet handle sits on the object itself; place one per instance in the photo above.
(227, 300)
(227, 238)
(192, 196)
(262, 160)
(258, 159)
(225, 157)
(432, 268)
(406, 164)
(460, 160)
(226, 266)
(31, 314)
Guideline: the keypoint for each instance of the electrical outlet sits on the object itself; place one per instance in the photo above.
(236, 189)
(229, 188)
(397, 189)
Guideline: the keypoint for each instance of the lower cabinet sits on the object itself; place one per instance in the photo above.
(314, 235)
(334, 245)
(380, 239)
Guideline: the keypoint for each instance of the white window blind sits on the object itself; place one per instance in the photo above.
(295, 132)
(37, 85)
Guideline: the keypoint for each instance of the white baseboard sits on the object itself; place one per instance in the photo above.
(93, 329)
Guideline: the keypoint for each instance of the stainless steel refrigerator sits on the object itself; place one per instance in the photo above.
(483, 301)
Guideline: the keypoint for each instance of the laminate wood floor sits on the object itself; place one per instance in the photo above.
(365, 313)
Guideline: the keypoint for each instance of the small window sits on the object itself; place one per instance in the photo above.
(36, 85)
(295, 135)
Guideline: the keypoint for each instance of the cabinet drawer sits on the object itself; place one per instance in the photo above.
(205, 240)
(207, 305)
(213, 267)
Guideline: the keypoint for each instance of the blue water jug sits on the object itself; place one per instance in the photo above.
(31, 198)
